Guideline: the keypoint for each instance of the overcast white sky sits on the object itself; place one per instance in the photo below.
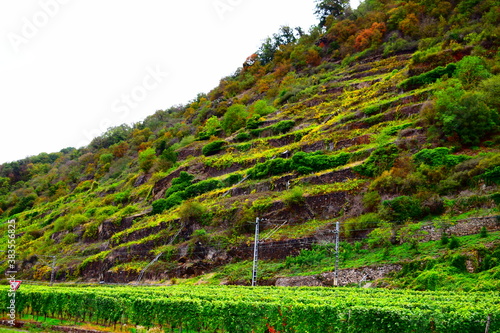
(69, 69)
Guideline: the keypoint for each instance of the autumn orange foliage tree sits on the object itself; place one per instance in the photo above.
(370, 37)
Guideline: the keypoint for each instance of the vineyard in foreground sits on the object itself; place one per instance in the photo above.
(263, 309)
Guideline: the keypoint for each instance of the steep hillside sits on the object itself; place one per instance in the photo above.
(385, 119)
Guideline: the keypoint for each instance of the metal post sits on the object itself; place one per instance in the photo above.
(337, 236)
(255, 253)
(53, 272)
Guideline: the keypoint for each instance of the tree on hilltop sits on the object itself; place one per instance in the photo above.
(326, 8)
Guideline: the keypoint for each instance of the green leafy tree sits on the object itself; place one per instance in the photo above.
(285, 35)
(4, 185)
(26, 202)
(490, 88)
(262, 108)
(380, 237)
(106, 158)
(465, 114)
(412, 233)
(212, 127)
(326, 8)
(266, 51)
(169, 155)
(234, 118)
(146, 159)
(112, 136)
(471, 70)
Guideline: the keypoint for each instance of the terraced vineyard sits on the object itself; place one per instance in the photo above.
(264, 309)
(384, 119)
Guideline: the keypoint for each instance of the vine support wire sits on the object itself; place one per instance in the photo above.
(139, 278)
(273, 231)
(52, 266)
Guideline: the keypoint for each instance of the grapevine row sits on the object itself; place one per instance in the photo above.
(243, 309)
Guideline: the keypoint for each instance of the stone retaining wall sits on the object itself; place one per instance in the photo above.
(345, 277)
(462, 228)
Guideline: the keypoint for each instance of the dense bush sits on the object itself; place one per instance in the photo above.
(294, 197)
(106, 158)
(244, 147)
(270, 168)
(182, 189)
(301, 162)
(180, 183)
(191, 210)
(169, 155)
(454, 243)
(283, 126)
(69, 239)
(439, 156)
(213, 148)
(381, 236)
(380, 160)
(306, 258)
(173, 200)
(492, 176)
(25, 203)
(175, 194)
(253, 122)
(232, 179)
(464, 113)
(428, 77)
(122, 197)
(70, 222)
(256, 132)
(159, 206)
(311, 162)
(211, 128)
(202, 187)
(402, 209)
(243, 136)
